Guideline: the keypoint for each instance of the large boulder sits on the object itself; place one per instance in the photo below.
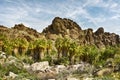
(40, 66)
(72, 78)
(12, 75)
(3, 55)
(59, 68)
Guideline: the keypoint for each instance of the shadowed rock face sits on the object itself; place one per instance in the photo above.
(64, 27)
(67, 27)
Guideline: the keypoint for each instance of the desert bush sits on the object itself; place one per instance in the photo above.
(62, 60)
(26, 59)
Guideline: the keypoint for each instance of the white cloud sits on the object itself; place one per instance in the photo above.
(74, 13)
(114, 5)
(91, 2)
(116, 17)
(100, 19)
(34, 14)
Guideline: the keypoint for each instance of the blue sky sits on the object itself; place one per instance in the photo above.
(38, 14)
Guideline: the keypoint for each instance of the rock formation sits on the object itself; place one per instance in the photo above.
(66, 27)
(62, 27)
(20, 31)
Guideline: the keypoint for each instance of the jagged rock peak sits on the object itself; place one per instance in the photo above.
(100, 31)
(3, 29)
(19, 26)
(23, 27)
(1, 26)
(61, 25)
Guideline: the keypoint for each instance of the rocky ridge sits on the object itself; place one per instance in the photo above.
(20, 31)
(66, 27)
(15, 68)
(62, 27)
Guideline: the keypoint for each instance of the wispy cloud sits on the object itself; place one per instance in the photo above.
(39, 13)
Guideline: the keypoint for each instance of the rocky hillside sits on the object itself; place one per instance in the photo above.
(63, 28)
(66, 27)
(20, 31)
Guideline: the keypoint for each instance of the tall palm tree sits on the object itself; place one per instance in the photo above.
(1, 44)
(15, 44)
(58, 45)
(2, 40)
(49, 46)
(39, 49)
(85, 55)
(7, 46)
(23, 46)
(89, 53)
(72, 52)
(79, 53)
(65, 47)
(31, 48)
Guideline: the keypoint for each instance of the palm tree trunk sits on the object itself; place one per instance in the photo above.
(59, 54)
(41, 55)
(48, 52)
(0, 47)
(31, 52)
(23, 51)
(20, 50)
(3, 48)
(64, 52)
(71, 58)
(15, 51)
(36, 54)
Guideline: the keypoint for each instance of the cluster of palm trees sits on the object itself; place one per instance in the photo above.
(74, 52)
(21, 47)
(63, 47)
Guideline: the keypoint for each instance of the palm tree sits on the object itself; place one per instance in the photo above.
(2, 40)
(23, 46)
(7, 46)
(58, 45)
(15, 44)
(31, 48)
(79, 53)
(1, 44)
(89, 53)
(65, 47)
(49, 46)
(39, 49)
(72, 52)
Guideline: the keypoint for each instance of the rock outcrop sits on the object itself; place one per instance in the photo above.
(30, 31)
(63, 27)
(66, 27)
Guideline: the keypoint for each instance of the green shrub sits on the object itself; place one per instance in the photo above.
(26, 59)
(62, 60)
